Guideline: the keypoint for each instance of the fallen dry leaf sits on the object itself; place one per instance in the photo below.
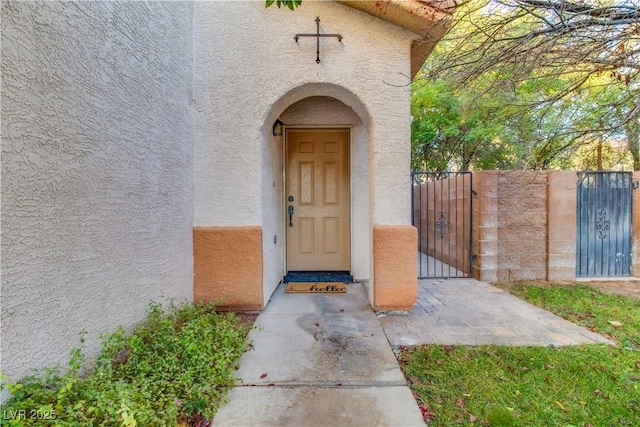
(263, 375)
(472, 418)
(615, 323)
(426, 415)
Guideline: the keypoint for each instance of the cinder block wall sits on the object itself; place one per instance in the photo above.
(522, 219)
(485, 226)
(524, 225)
(561, 225)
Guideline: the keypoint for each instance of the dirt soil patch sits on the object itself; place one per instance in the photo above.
(247, 318)
(630, 288)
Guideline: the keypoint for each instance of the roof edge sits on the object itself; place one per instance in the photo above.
(429, 20)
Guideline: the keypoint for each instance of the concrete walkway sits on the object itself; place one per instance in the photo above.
(319, 360)
(469, 312)
(325, 360)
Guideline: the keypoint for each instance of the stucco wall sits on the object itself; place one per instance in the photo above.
(247, 75)
(217, 276)
(97, 171)
(396, 283)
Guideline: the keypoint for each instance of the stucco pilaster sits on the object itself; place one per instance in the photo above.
(395, 283)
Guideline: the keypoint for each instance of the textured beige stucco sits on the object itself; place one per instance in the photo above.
(124, 124)
(428, 19)
(96, 171)
(228, 266)
(395, 265)
(260, 67)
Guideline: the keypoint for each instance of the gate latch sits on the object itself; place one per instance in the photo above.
(636, 185)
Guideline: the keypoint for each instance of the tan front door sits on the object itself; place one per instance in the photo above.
(317, 197)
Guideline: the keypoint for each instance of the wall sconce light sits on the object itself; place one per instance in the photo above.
(277, 128)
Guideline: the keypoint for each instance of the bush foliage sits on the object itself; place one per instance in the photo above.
(175, 367)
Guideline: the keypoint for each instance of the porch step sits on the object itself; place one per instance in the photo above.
(318, 276)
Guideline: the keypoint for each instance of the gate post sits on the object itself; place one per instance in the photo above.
(561, 225)
(635, 228)
(485, 222)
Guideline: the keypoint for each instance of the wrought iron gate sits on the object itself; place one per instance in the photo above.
(604, 224)
(442, 211)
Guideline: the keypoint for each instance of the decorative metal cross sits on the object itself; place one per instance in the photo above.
(442, 224)
(317, 35)
(603, 224)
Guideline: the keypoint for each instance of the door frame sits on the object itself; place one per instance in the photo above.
(284, 202)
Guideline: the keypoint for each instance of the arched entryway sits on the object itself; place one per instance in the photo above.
(317, 111)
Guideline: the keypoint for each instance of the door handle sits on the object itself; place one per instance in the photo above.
(290, 212)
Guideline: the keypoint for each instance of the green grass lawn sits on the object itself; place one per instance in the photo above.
(589, 385)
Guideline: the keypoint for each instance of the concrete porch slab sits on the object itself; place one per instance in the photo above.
(322, 339)
(321, 349)
(355, 301)
(469, 312)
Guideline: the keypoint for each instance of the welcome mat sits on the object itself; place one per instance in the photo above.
(315, 288)
(318, 276)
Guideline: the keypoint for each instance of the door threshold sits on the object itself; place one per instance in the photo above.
(318, 276)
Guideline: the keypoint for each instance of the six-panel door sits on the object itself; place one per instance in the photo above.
(317, 200)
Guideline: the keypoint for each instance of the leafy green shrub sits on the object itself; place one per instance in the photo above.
(177, 365)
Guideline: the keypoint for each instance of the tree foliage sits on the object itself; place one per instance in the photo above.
(291, 4)
(452, 130)
(568, 72)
